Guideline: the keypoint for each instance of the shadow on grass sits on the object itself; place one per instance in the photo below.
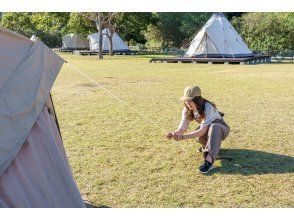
(91, 205)
(250, 162)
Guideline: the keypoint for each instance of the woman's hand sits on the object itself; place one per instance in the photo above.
(178, 137)
(169, 135)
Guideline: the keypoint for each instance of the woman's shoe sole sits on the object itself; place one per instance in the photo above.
(207, 170)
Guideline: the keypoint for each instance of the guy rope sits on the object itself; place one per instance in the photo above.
(77, 71)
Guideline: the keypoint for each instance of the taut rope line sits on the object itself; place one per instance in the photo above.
(120, 100)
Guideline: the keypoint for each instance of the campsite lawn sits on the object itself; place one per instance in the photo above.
(121, 159)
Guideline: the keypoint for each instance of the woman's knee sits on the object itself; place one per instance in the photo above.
(226, 133)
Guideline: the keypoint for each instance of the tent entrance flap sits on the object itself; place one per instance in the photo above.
(206, 48)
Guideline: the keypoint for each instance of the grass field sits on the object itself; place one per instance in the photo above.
(121, 159)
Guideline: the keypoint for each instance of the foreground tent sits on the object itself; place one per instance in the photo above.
(74, 42)
(118, 44)
(34, 170)
(218, 38)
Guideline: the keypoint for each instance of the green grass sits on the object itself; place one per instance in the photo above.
(119, 159)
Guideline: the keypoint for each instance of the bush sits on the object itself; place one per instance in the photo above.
(51, 39)
(266, 31)
(132, 42)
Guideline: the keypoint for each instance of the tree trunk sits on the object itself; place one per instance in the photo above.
(110, 44)
(99, 27)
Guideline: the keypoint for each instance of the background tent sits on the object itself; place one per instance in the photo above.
(118, 44)
(34, 171)
(34, 37)
(75, 42)
(218, 38)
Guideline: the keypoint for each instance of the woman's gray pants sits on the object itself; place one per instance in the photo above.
(217, 132)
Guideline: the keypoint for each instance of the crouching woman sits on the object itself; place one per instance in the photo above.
(212, 130)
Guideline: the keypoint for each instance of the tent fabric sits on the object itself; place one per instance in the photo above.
(28, 70)
(74, 41)
(118, 43)
(218, 38)
(33, 165)
(39, 176)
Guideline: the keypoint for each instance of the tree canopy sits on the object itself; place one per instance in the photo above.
(261, 31)
(266, 31)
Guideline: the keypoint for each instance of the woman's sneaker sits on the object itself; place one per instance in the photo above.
(205, 167)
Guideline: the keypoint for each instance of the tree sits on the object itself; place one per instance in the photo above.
(50, 26)
(166, 31)
(289, 26)
(108, 23)
(50, 21)
(191, 25)
(132, 25)
(47, 26)
(80, 24)
(231, 15)
(19, 22)
(154, 36)
(266, 31)
(175, 29)
(103, 20)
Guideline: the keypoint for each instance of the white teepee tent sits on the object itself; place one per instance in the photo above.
(118, 44)
(34, 171)
(218, 38)
(74, 42)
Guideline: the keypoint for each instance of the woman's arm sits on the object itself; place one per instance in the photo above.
(181, 128)
(198, 133)
(179, 131)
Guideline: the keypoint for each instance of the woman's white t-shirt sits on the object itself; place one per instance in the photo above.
(210, 115)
